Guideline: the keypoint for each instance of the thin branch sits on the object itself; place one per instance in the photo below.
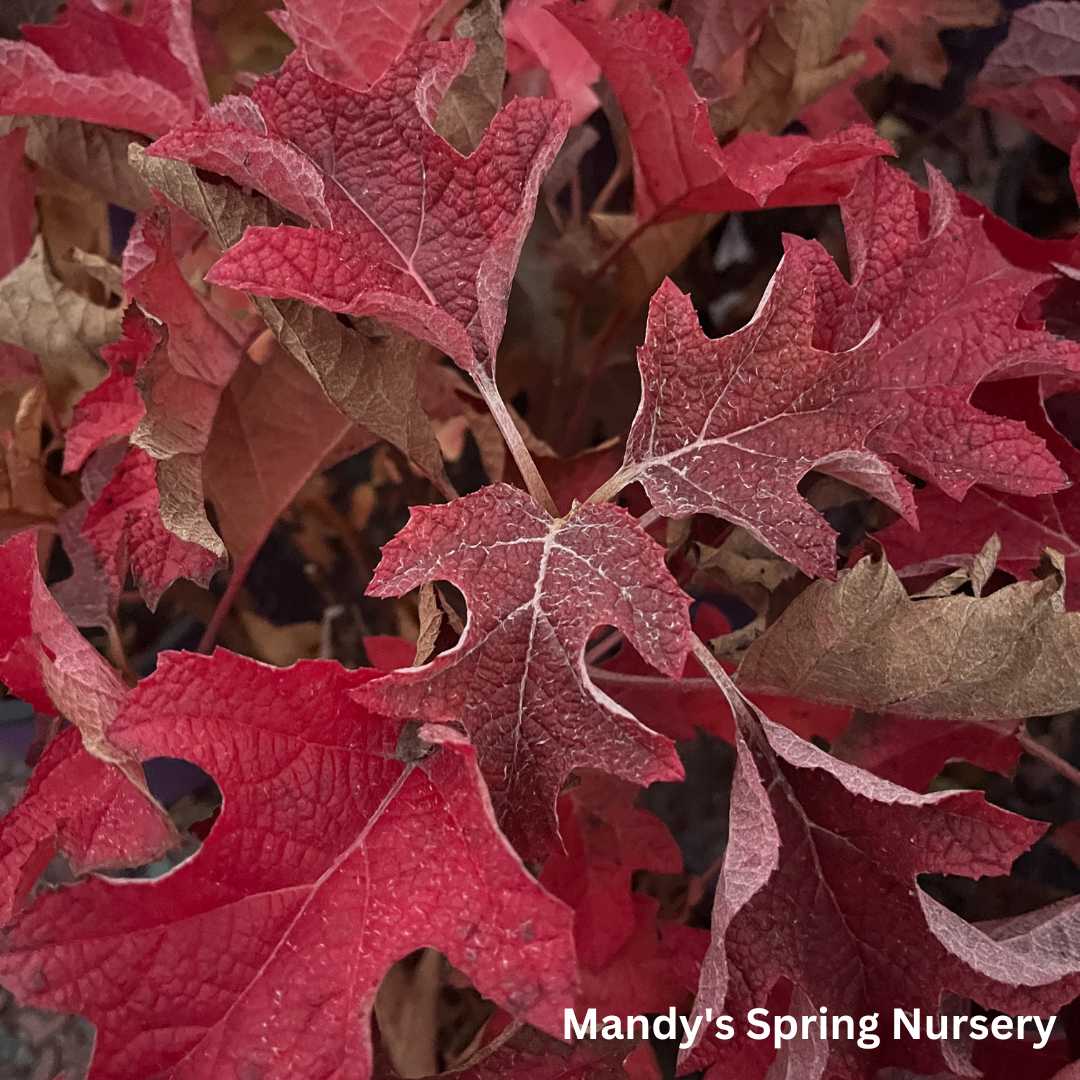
(217, 620)
(1045, 754)
(516, 444)
(649, 518)
(614, 485)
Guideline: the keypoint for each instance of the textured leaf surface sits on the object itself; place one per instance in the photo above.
(129, 526)
(96, 66)
(84, 807)
(845, 379)
(354, 43)
(679, 168)
(862, 641)
(405, 228)
(332, 858)
(536, 587)
(819, 888)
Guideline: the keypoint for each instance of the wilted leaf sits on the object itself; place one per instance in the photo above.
(40, 314)
(476, 95)
(88, 154)
(25, 498)
(908, 31)
(862, 641)
(794, 61)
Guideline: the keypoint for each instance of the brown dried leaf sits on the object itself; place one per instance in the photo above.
(862, 641)
(39, 313)
(746, 567)
(475, 96)
(182, 508)
(89, 154)
(370, 375)
(431, 620)
(24, 497)
(793, 63)
(977, 574)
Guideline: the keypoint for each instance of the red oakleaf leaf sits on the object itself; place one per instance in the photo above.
(911, 751)
(354, 43)
(407, 229)
(94, 808)
(114, 408)
(536, 587)
(845, 379)
(627, 966)
(84, 807)
(139, 73)
(44, 659)
(338, 850)
(952, 534)
(679, 168)
(126, 530)
(819, 888)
